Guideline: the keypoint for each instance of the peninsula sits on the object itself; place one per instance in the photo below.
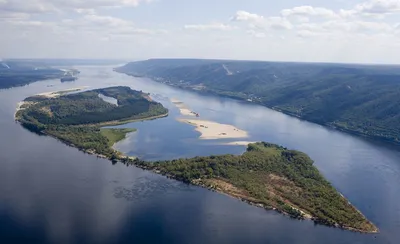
(266, 175)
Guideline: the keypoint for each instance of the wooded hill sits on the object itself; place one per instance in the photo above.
(360, 99)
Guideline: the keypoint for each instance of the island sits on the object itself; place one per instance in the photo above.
(78, 119)
(266, 175)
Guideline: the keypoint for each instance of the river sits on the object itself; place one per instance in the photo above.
(52, 193)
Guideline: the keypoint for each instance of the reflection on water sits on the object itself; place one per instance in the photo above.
(109, 99)
(51, 193)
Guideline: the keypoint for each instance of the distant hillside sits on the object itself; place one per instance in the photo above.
(19, 73)
(360, 99)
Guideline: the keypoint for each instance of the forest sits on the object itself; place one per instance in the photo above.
(359, 99)
(88, 108)
(271, 176)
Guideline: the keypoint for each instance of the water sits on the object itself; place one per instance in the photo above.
(109, 99)
(52, 193)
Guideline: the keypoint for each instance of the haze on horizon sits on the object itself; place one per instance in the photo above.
(352, 31)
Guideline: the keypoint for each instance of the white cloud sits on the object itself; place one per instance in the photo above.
(279, 23)
(378, 7)
(246, 16)
(213, 26)
(308, 11)
(259, 22)
(42, 6)
(84, 25)
(40, 28)
(346, 26)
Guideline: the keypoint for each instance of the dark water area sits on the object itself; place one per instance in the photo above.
(52, 193)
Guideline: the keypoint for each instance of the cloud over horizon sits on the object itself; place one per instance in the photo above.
(358, 31)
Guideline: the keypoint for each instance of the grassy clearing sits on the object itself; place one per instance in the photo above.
(115, 135)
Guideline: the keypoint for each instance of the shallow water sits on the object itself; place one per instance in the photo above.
(52, 193)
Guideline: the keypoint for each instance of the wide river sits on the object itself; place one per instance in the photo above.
(52, 193)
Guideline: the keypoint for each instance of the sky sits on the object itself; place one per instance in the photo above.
(349, 31)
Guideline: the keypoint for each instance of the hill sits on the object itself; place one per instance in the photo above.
(360, 99)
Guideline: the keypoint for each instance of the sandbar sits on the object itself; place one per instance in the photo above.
(184, 110)
(212, 130)
(54, 94)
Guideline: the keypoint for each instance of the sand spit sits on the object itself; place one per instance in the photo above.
(55, 94)
(183, 108)
(21, 106)
(212, 130)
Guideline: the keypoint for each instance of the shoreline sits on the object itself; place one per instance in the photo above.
(54, 94)
(237, 143)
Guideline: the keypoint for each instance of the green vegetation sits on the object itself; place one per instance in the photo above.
(76, 118)
(358, 99)
(272, 177)
(115, 135)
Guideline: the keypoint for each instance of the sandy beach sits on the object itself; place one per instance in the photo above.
(54, 94)
(212, 130)
(182, 107)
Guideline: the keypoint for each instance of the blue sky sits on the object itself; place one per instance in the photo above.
(355, 31)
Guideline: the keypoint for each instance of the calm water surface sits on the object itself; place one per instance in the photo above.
(51, 193)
